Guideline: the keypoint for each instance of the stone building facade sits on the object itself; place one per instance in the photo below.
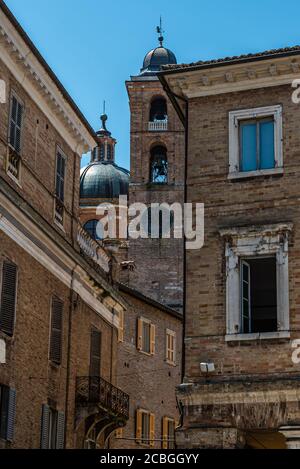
(242, 302)
(59, 313)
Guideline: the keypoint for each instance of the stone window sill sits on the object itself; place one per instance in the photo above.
(250, 174)
(258, 336)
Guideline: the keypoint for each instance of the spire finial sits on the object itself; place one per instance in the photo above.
(160, 31)
(104, 117)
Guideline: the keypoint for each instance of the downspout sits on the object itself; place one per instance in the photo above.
(71, 312)
(174, 97)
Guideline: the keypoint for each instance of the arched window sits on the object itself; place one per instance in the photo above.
(158, 223)
(109, 152)
(158, 110)
(159, 165)
(95, 229)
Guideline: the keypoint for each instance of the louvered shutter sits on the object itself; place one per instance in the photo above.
(45, 427)
(95, 353)
(15, 125)
(152, 339)
(8, 298)
(121, 327)
(139, 334)
(60, 434)
(4, 411)
(138, 434)
(11, 415)
(165, 428)
(56, 330)
(60, 176)
(152, 429)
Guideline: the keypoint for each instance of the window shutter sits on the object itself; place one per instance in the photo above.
(56, 330)
(60, 176)
(4, 411)
(45, 427)
(121, 327)
(138, 435)
(246, 297)
(165, 426)
(8, 298)
(95, 353)
(152, 339)
(152, 429)
(11, 414)
(139, 334)
(60, 435)
(15, 125)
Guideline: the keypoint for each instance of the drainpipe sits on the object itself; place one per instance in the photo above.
(173, 98)
(72, 298)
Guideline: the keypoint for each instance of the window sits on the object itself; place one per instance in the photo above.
(255, 141)
(258, 295)
(145, 427)
(7, 412)
(15, 136)
(257, 282)
(15, 123)
(110, 152)
(121, 326)
(146, 336)
(168, 440)
(8, 298)
(159, 165)
(56, 330)
(170, 347)
(158, 110)
(60, 186)
(95, 353)
(52, 428)
(95, 229)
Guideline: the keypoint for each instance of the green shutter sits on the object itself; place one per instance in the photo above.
(8, 298)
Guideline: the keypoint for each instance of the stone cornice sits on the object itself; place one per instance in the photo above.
(40, 86)
(234, 77)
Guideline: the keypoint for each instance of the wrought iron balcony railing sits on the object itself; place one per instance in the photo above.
(95, 390)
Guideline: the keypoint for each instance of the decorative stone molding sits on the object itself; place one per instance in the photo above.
(27, 69)
(234, 77)
(255, 240)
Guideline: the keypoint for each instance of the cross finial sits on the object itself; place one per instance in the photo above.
(160, 31)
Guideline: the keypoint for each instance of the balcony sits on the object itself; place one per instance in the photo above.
(92, 250)
(95, 391)
(158, 126)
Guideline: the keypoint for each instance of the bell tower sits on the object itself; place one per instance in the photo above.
(157, 176)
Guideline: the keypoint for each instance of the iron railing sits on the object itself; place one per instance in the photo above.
(158, 126)
(96, 390)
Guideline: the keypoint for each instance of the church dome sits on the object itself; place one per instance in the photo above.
(157, 57)
(103, 180)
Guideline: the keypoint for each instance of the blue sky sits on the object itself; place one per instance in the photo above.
(95, 45)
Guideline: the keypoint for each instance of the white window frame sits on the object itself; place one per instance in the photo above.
(256, 241)
(235, 117)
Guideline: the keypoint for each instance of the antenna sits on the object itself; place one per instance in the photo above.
(160, 31)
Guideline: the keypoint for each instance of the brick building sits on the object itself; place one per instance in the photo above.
(59, 313)
(156, 176)
(242, 300)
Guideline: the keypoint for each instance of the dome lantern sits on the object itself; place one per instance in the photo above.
(157, 57)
